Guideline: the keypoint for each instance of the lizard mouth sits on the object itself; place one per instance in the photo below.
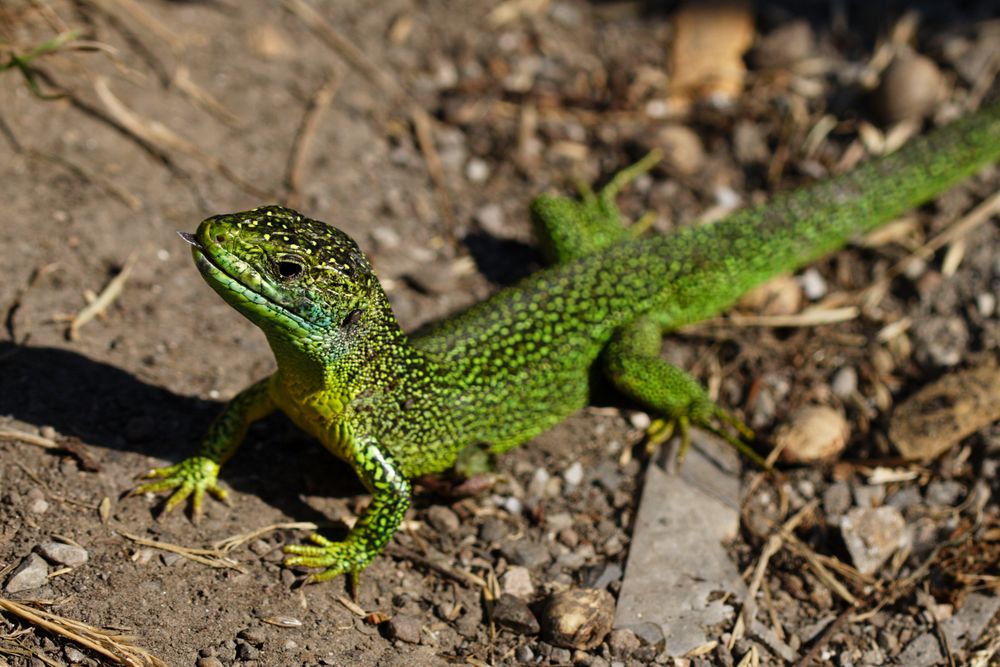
(239, 283)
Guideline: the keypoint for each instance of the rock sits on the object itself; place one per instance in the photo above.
(578, 618)
(33, 572)
(516, 581)
(404, 628)
(836, 500)
(872, 535)
(946, 411)
(845, 382)
(63, 554)
(622, 643)
(490, 218)
(493, 530)
(813, 284)
(944, 492)
(778, 296)
(784, 46)
(964, 628)
(210, 661)
(573, 474)
(940, 341)
(924, 651)
(910, 88)
(677, 564)
(681, 147)
(74, 655)
(531, 555)
(513, 613)
(812, 433)
(524, 655)
(443, 519)
(477, 170)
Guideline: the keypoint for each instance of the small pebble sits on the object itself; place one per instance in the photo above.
(944, 493)
(404, 628)
(526, 553)
(781, 295)
(74, 655)
(986, 304)
(872, 535)
(813, 284)
(574, 474)
(622, 643)
(909, 90)
(443, 519)
(63, 554)
(490, 217)
(513, 613)
(845, 382)
(210, 661)
(812, 433)
(524, 655)
(33, 572)
(578, 618)
(681, 147)
(940, 341)
(516, 581)
(784, 46)
(477, 170)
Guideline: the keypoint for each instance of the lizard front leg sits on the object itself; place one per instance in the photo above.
(197, 475)
(375, 527)
(632, 363)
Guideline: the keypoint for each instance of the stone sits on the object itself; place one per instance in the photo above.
(512, 613)
(679, 576)
(573, 474)
(623, 643)
(531, 555)
(910, 88)
(63, 554)
(872, 535)
(940, 341)
(578, 618)
(516, 581)
(33, 572)
(924, 651)
(965, 627)
(404, 628)
(443, 519)
(812, 433)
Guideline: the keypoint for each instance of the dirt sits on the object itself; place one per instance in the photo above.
(518, 108)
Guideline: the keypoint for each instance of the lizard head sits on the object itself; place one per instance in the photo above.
(300, 280)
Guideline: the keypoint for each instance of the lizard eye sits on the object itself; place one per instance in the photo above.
(289, 269)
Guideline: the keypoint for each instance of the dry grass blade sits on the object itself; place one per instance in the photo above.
(210, 557)
(977, 216)
(166, 140)
(112, 646)
(228, 544)
(809, 317)
(423, 124)
(184, 83)
(28, 438)
(107, 296)
(354, 56)
(318, 105)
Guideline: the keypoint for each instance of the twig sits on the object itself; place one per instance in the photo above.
(166, 140)
(210, 557)
(318, 105)
(422, 124)
(458, 575)
(228, 544)
(828, 634)
(107, 296)
(182, 79)
(112, 646)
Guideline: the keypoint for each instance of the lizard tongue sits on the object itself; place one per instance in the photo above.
(190, 238)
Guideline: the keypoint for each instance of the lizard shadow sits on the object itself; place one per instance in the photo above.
(111, 409)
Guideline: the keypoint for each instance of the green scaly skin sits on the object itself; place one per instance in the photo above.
(395, 407)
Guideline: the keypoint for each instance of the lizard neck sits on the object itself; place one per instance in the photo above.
(340, 363)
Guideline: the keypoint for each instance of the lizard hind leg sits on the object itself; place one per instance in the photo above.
(569, 229)
(632, 363)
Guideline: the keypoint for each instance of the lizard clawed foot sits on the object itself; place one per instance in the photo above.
(193, 477)
(336, 558)
(708, 417)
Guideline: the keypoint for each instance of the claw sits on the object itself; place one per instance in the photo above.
(661, 430)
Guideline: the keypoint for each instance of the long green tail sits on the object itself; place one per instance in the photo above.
(716, 263)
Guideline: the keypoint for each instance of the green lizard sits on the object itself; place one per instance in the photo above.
(396, 406)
